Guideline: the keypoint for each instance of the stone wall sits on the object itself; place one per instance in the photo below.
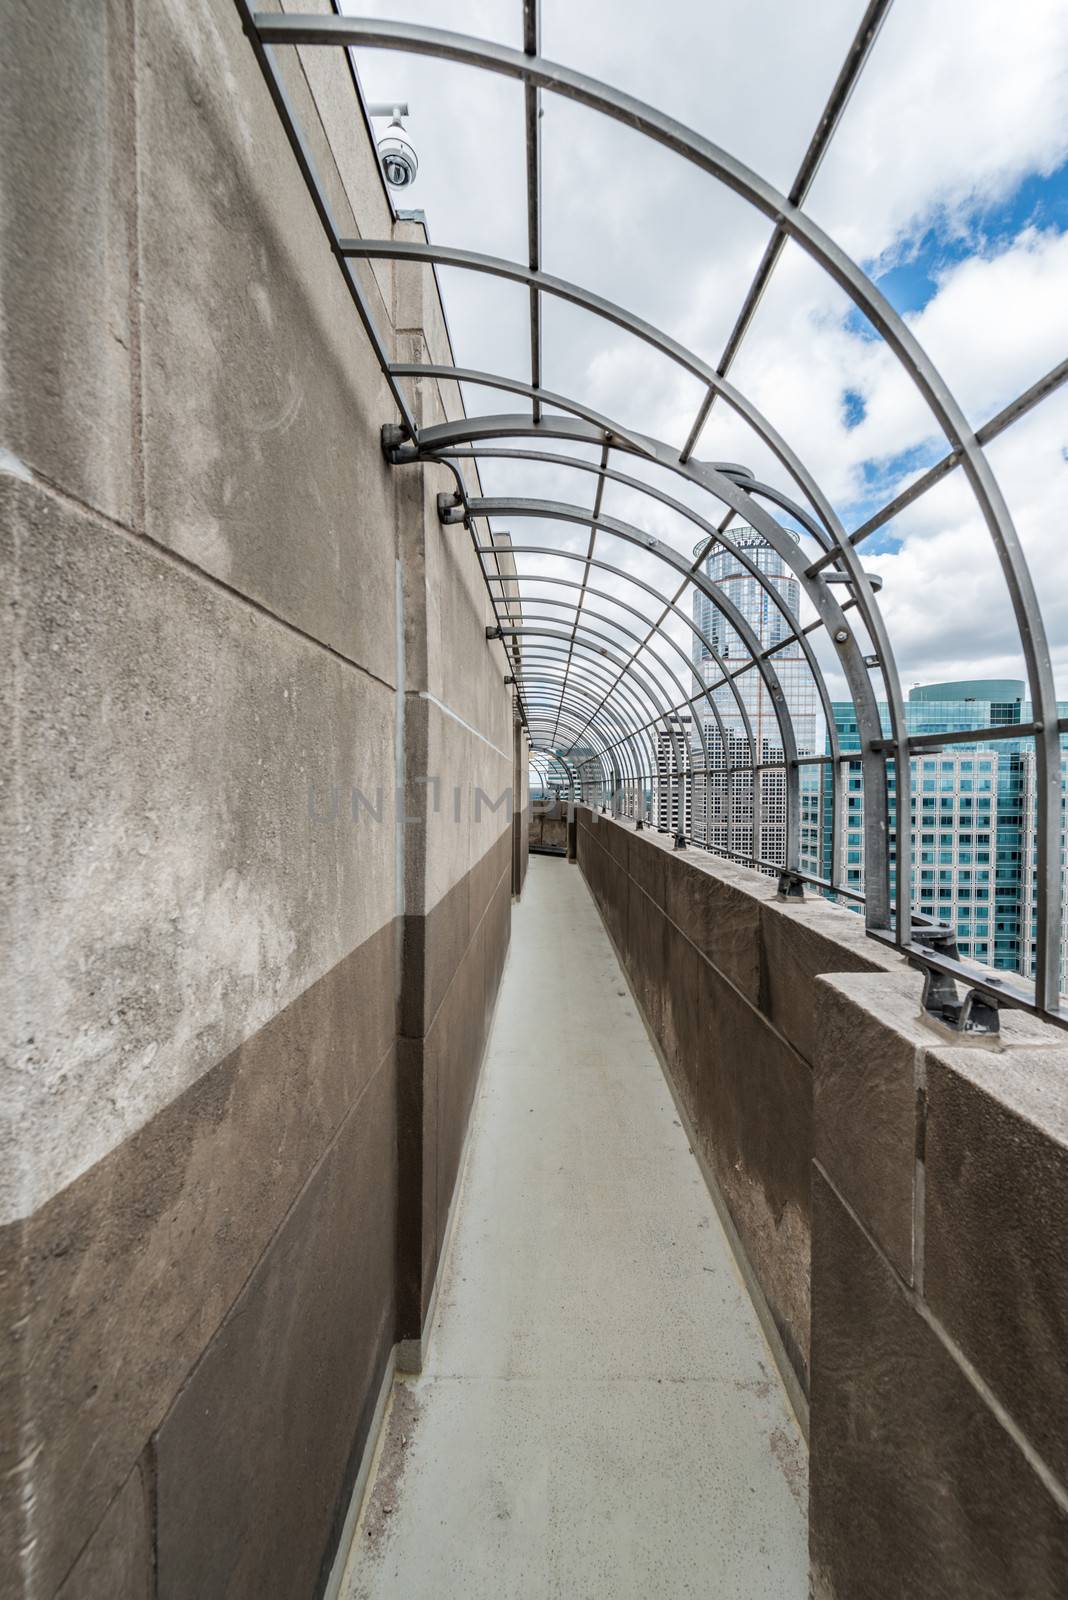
(246, 942)
(900, 1205)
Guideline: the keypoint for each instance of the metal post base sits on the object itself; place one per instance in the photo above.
(977, 1013)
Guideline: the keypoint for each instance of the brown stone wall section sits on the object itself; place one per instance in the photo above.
(940, 1314)
(128, 1273)
(256, 1459)
(450, 988)
(917, 1486)
(939, 1307)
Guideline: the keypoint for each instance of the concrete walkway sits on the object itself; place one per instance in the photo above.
(600, 1417)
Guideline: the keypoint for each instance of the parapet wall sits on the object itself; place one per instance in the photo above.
(257, 911)
(900, 1201)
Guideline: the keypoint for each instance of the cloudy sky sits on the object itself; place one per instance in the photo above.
(947, 181)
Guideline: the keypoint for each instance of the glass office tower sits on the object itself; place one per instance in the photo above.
(722, 811)
(972, 817)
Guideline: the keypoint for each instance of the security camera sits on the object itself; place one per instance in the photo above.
(399, 161)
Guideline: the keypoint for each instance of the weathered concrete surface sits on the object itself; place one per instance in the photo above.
(600, 1414)
(117, 1563)
(67, 286)
(996, 1227)
(938, 1401)
(292, 1377)
(917, 1487)
(183, 870)
(262, 396)
(691, 932)
(868, 1079)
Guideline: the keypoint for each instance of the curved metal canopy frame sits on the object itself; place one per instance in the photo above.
(613, 723)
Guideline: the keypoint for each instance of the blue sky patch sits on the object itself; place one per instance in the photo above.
(853, 408)
(1037, 202)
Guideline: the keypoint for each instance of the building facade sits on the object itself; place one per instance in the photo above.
(673, 789)
(972, 819)
(723, 804)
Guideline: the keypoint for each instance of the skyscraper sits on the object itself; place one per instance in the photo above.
(674, 789)
(971, 818)
(722, 810)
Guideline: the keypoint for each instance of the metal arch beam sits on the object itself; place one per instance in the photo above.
(662, 634)
(787, 216)
(597, 750)
(441, 439)
(689, 770)
(635, 700)
(796, 224)
(604, 430)
(727, 678)
(636, 695)
(546, 659)
(797, 633)
(597, 616)
(609, 311)
(561, 511)
(637, 689)
(575, 701)
(607, 753)
(831, 614)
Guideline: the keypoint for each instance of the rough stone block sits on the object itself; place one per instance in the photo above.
(916, 1488)
(263, 402)
(104, 1268)
(753, 1114)
(67, 248)
(417, 1246)
(718, 908)
(868, 1055)
(801, 943)
(996, 1225)
(117, 1563)
(453, 1051)
(647, 862)
(198, 866)
(256, 1458)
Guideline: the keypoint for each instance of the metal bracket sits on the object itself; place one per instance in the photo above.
(397, 445)
(494, 633)
(791, 886)
(680, 841)
(638, 824)
(977, 1012)
(451, 508)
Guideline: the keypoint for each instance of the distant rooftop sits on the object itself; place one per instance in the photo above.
(995, 689)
